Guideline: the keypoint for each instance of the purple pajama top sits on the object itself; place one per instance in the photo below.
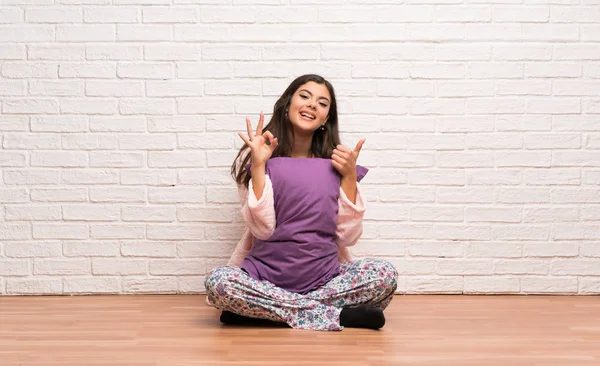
(302, 253)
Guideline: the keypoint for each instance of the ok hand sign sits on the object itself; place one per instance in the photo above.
(261, 152)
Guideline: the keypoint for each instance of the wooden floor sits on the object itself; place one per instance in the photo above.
(182, 330)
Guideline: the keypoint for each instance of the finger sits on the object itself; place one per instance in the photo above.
(261, 120)
(338, 159)
(274, 144)
(244, 138)
(249, 127)
(337, 166)
(268, 135)
(359, 146)
(341, 154)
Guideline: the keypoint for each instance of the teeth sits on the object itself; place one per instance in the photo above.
(307, 115)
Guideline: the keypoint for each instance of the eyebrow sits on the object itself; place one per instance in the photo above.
(312, 94)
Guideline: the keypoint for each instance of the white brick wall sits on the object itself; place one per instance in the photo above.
(118, 121)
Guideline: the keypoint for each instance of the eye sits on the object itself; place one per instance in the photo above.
(324, 105)
(303, 96)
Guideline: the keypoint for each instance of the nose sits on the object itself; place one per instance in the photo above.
(311, 104)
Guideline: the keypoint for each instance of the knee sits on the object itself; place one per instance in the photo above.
(216, 282)
(386, 273)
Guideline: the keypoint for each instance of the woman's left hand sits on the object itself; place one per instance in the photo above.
(344, 159)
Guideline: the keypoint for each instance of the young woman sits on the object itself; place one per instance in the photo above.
(302, 204)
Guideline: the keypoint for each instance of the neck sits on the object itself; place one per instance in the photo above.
(301, 148)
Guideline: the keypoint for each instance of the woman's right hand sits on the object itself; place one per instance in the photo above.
(261, 152)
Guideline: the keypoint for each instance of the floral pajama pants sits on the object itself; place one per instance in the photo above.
(362, 282)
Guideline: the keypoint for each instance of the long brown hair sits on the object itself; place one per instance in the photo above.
(323, 141)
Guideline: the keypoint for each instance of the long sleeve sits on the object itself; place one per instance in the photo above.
(350, 219)
(260, 214)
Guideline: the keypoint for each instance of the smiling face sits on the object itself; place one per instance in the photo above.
(309, 107)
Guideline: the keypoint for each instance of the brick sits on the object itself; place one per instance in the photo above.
(96, 88)
(75, 248)
(149, 249)
(147, 106)
(122, 194)
(173, 14)
(496, 141)
(436, 249)
(176, 195)
(464, 195)
(387, 212)
(14, 267)
(105, 106)
(435, 285)
(145, 70)
(32, 213)
(576, 158)
(436, 214)
(115, 14)
(554, 176)
(438, 177)
(464, 160)
(491, 284)
(576, 232)
(456, 232)
(172, 52)
(149, 213)
(89, 176)
(57, 14)
(575, 195)
(147, 142)
(86, 33)
(59, 194)
(36, 249)
(89, 141)
(493, 177)
(550, 249)
(523, 123)
(39, 286)
(13, 195)
(176, 159)
(465, 267)
(170, 88)
(60, 231)
(91, 213)
(56, 267)
(523, 52)
(91, 285)
(522, 195)
(117, 231)
(31, 177)
(27, 33)
(550, 214)
(175, 232)
(30, 106)
(171, 267)
(119, 267)
(58, 159)
(144, 33)
(113, 52)
(150, 177)
(523, 159)
(96, 70)
(494, 250)
(493, 214)
(38, 141)
(151, 285)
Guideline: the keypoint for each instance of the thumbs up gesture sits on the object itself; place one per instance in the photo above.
(344, 159)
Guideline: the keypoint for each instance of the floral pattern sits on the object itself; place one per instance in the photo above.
(361, 282)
